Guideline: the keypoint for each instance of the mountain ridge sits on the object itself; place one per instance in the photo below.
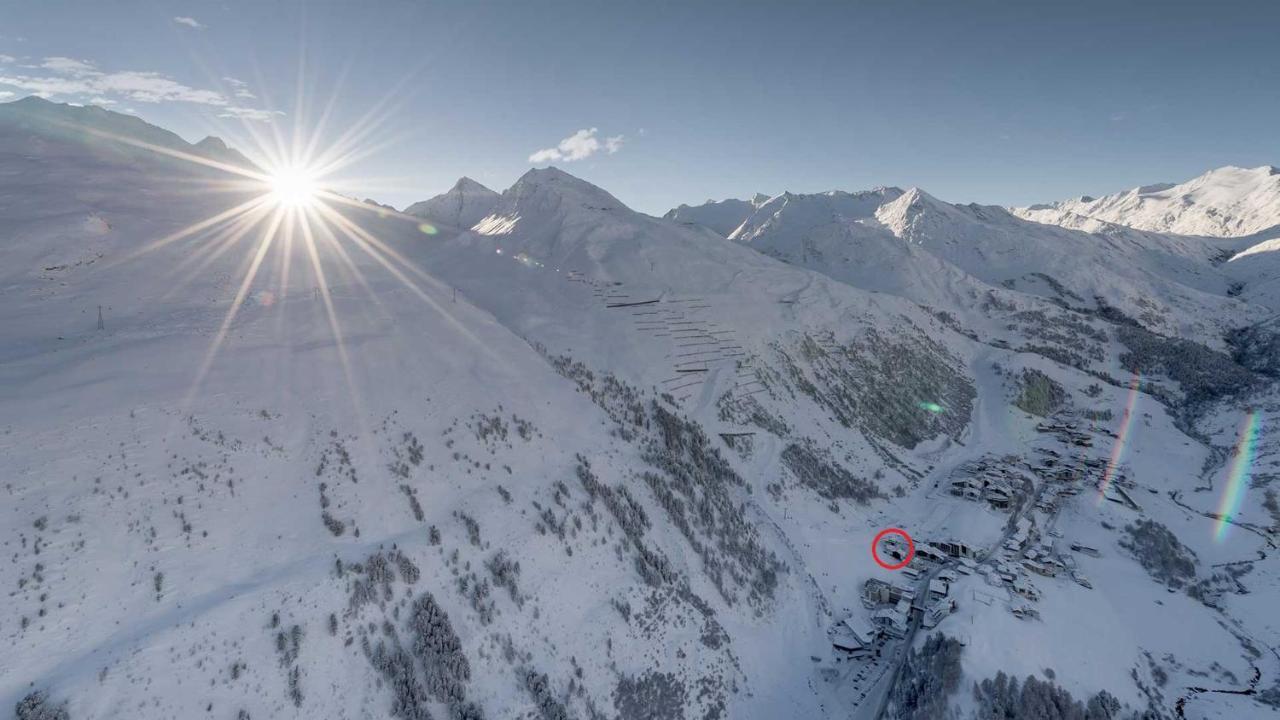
(1228, 201)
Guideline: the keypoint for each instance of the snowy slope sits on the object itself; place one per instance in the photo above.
(722, 217)
(557, 251)
(160, 563)
(205, 515)
(920, 248)
(40, 121)
(550, 224)
(461, 207)
(1226, 202)
(575, 462)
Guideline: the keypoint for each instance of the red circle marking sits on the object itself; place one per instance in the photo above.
(911, 548)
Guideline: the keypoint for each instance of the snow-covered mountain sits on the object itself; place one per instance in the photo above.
(581, 462)
(722, 217)
(98, 131)
(465, 204)
(911, 244)
(1226, 202)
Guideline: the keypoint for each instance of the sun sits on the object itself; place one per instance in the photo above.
(294, 187)
(291, 201)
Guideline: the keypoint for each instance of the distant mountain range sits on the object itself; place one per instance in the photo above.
(1227, 202)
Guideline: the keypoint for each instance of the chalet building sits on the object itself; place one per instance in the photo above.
(937, 611)
(968, 487)
(894, 547)
(1085, 549)
(1023, 532)
(954, 549)
(1000, 496)
(928, 551)
(938, 589)
(894, 621)
(877, 592)
(1023, 611)
(856, 637)
(1039, 568)
(1023, 587)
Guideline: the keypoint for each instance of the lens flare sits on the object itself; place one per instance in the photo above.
(932, 407)
(294, 199)
(1122, 439)
(1238, 478)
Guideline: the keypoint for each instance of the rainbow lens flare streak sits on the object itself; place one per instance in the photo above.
(1238, 479)
(1122, 439)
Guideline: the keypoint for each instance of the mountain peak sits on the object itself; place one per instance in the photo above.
(916, 210)
(550, 174)
(548, 182)
(915, 198)
(34, 101)
(212, 142)
(466, 184)
(465, 204)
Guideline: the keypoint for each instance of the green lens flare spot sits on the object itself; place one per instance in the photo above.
(932, 407)
(428, 229)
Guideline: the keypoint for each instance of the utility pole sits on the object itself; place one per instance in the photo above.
(100, 325)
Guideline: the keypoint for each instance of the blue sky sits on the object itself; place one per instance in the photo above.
(994, 102)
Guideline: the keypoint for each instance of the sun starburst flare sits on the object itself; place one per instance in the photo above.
(284, 202)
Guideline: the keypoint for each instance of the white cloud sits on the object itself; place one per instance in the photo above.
(5, 94)
(7, 58)
(153, 87)
(47, 86)
(189, 22)
(578, 146)
(542, 156)
(244, 113)
(239, 88)
(69, 66)
(82, 81)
